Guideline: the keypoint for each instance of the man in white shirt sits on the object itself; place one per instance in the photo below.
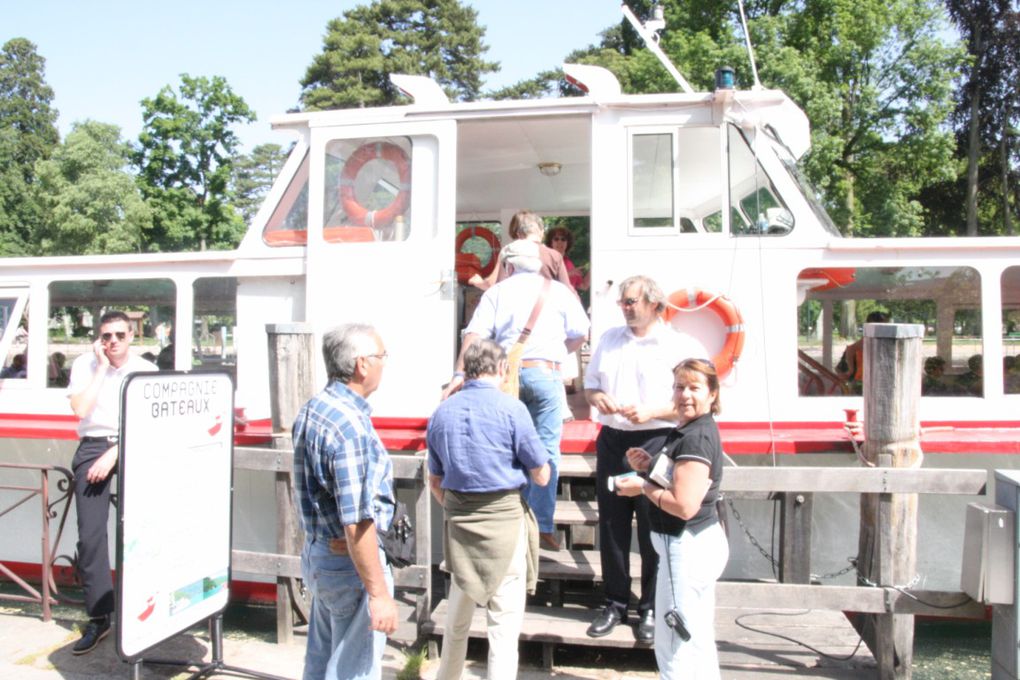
(630, 381)
(561, 327)
(94, 391)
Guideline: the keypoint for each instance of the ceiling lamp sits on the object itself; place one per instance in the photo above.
(549, 169)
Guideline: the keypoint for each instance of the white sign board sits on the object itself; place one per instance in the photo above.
(175, 479)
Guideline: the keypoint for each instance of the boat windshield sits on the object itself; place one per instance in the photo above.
(802, 182)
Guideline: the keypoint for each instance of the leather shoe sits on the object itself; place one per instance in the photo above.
(605, 622)
(548, 541)
(95, 631)
(646, 627)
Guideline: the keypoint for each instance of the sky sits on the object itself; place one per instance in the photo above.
(104, 56)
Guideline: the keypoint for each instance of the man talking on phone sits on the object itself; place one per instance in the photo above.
(94, 391)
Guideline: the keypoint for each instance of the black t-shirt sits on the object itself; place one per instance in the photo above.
(697, 440)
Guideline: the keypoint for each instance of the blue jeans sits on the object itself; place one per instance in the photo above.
(341, 642)
(542, 392)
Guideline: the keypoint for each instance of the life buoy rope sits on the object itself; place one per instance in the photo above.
(356, 212)
(694, 299)
(467, 263)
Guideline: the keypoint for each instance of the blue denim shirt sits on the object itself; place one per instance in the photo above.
(483, 440)
(342, 471)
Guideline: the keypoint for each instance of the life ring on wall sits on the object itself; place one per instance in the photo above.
(363, 154)
(467, 263)
(727, 312)
(834, 277)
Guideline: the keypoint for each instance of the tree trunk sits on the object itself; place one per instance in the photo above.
(974, 138)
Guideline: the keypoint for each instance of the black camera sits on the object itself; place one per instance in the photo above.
(676, 622)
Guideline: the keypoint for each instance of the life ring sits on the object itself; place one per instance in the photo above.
(725, 310)
(357, 160)
(463, 264)
(834, 277)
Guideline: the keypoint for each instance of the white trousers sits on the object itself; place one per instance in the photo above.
(505, 614)
(689, 566)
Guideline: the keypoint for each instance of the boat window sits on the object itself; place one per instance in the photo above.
(77, 306)
(838, 301)
(676, 180)
(755, 204)
(1011, 330)
(368, 190)
(805, 186)
(14, 333)
(215, 324)
(288, 225)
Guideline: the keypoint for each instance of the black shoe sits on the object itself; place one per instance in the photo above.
(605, 622)
(94, 632)
(646, 627)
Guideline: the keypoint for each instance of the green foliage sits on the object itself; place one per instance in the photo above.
(437, 38)
(184, 158)
(27, 134)
(90, 203)
(253, 176)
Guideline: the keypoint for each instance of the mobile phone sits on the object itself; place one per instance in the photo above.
(676, 622)
(611, 482)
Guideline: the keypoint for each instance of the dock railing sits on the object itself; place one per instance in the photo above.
(49, 510)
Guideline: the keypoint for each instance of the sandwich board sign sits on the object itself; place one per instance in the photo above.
(174, 509)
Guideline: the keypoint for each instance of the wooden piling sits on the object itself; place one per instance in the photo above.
(887, 553)
(291, 384)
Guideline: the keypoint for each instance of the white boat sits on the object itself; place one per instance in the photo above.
(698, 190)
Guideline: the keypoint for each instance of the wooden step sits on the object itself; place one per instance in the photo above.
(566, 625)
(576, 512)
(578, 565)
(577, 465)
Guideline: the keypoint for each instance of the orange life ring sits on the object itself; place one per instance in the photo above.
(464, 264)
(835, 277)
(357, 160)
(725, 310)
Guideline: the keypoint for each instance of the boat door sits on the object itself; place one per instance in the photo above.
(381, 249)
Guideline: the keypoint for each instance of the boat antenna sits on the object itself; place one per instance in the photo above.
(649, 32)
(750, 50)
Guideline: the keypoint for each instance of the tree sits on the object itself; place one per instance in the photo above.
(987, 94)
(184, 158)
(437, 38)
(28, 133)
(253, 176)
(90, 203)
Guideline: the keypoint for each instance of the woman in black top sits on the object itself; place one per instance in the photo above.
(686, 532)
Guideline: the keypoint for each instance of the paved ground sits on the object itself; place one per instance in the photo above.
(33, 650)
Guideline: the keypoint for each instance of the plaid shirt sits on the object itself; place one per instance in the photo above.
(342, 471)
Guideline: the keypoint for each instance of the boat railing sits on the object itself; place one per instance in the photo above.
(51, 509)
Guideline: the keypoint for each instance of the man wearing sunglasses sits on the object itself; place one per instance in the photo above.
(94, 391)
(630, 381)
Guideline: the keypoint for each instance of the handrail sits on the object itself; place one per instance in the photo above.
(50, 594)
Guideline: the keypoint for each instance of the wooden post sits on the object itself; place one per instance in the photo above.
(795, 537)
(888, 535)
(291, 384)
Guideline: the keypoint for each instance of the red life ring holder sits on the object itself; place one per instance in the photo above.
(489, 237)
(727, 313)
(834, 277)
(357, 160)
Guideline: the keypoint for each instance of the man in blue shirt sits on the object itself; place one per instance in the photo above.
(561, 327)
(483, 448)
(343, 486)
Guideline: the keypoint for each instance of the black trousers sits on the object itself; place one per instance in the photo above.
(92, 503)
(616, 516)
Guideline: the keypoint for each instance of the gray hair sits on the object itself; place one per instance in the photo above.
(525, 223)
(482, 358)
(341, 347)
(649, 290)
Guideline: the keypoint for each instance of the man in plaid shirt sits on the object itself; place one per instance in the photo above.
(343, 485)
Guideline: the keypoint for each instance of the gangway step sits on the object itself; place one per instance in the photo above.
(578, 565)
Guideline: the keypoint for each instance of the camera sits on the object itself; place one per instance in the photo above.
(676, 622)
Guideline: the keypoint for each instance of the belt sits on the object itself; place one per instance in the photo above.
(338, 546)
(111, 440)
(540, 363)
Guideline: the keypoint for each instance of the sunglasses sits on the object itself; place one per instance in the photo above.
(628, 302)
(107, 337)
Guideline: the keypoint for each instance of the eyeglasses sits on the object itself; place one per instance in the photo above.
(559, 238)
(377, 356)
(107, 337)
(628, 302)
